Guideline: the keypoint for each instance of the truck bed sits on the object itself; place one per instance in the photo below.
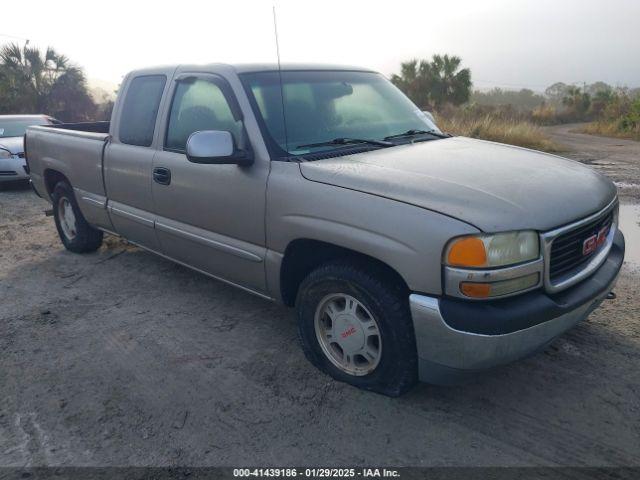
(95, 127)
(76, 151)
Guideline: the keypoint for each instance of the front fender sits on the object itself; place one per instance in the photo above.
(407, 238)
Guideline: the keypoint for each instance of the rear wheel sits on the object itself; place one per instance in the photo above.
(355, 325)
(75, 233)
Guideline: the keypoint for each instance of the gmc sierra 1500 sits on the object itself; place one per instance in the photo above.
(407, 253)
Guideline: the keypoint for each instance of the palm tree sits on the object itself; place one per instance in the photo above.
(32, 82)
(414, 81)
(450, 84)
(431, 84)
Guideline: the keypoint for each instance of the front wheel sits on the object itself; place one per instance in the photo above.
(355, 325)
(75, 232)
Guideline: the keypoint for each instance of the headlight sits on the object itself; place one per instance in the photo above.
(496, 250)
(4, 154)
(492, 265)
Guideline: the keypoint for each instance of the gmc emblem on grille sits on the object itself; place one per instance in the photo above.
(592, 243)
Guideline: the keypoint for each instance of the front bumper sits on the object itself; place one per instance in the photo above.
(455, 338)
(13, 169)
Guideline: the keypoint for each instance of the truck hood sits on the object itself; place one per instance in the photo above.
(13, 144)
(492, 186)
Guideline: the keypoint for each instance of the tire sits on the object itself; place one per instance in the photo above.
(75, 233)
(395, 368)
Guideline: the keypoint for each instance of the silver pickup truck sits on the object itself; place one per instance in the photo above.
(407, 253)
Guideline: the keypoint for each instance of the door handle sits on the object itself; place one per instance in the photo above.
(162, 175)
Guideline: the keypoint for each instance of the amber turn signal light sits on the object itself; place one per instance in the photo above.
(476, 290)
(467, 252)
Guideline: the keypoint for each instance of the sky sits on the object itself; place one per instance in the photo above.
(510, 44)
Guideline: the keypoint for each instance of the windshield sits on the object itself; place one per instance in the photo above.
(18, 126)
(321, 106)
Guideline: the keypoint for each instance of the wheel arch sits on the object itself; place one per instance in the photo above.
(52, 177)
(304, 255)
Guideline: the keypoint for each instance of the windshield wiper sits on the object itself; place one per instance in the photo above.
(347, 141)
(413, 133)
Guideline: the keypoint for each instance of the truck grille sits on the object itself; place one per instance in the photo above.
(567, 249)
(7, 173)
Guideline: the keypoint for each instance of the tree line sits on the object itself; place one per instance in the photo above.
(443, 86)
(34, 81)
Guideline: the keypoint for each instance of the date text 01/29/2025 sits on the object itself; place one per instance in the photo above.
(316, 472)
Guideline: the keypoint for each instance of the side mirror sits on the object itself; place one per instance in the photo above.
(216, 147)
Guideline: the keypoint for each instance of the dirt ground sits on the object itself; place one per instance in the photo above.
(124, 358)
(615, 157)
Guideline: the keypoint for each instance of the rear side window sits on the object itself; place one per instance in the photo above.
(199, 105)
(140, 109)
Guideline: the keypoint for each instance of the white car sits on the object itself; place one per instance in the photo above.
(12, 128)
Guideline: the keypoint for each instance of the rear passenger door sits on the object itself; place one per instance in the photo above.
(210, 217)
(128, 158)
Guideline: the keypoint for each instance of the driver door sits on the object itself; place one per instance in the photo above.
(209, 217)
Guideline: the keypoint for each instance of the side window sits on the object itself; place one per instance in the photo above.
(198, 105)
(140, 109)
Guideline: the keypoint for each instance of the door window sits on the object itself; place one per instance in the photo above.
(198, 105)
(140, 109)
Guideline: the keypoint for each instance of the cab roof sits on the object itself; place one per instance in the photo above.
(268, 67)
(250, 68)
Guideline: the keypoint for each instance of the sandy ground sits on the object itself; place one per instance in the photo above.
(123, 358)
